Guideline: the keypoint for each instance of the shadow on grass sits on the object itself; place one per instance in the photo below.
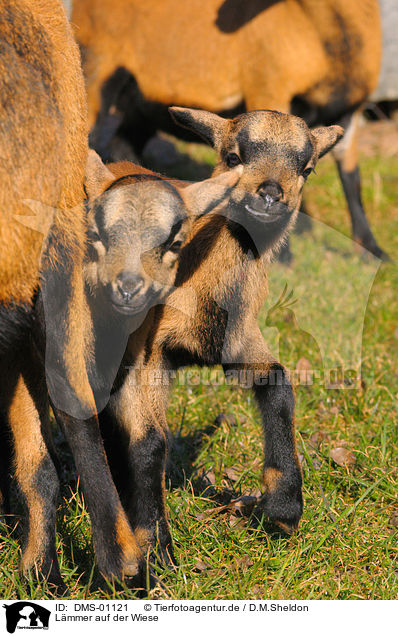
(181, 470)
(181, 467)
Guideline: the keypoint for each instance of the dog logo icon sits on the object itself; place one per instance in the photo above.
(26, 615)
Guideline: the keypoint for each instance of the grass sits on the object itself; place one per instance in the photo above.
(346, 545)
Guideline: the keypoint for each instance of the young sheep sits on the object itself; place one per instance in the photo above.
(317, 60)
(224, 264)
(224, 267)
(136, 225)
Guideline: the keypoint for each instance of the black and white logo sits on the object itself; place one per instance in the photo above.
(26, 615)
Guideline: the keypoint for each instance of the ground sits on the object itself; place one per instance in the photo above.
(346, 544)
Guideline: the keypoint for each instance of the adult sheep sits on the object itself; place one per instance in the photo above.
(43, 148)
(316, 59)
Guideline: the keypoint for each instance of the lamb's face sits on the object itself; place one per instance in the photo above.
(136, 231)
(277, 153)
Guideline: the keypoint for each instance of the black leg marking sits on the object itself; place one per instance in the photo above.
(45, 487)
(282, 500)
(133, 426)
(118, 553)
(351, 182)
(146, 510)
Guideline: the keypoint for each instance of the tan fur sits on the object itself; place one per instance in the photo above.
(43, 137)
(143, 538)
(43, 148)
(130, 547)
(30, 450)
(78, 346)
(212, 55)
(271, 478)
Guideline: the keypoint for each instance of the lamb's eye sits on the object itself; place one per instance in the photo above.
(175, 247)
(232, 160)
(307, 172)
(93, 236)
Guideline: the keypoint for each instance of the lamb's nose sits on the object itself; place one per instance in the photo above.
(271, 191)
(129, 285)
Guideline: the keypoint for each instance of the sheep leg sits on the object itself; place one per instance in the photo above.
(346, 156)
(35, 471)
(118, 553)
(282, 498)
(137, 413)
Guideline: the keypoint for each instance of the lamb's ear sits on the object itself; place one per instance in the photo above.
(326, 137)
(98, 177)
(207, 125)
(202, 197)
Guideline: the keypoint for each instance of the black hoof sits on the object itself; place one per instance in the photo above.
(161, 550)
(59, 589)
(379, 253)
(283, 507)
(164, 550)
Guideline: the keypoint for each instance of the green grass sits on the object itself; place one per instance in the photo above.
(346, 545)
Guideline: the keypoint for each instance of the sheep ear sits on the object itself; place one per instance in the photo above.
(207, 125)
(203, 197)
(326, 137)
(98, 176)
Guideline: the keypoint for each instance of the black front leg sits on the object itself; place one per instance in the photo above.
(118, 553)
(146, 509)
(137, 414)
(282, 498)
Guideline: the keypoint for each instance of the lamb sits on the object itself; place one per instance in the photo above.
(224, 263)
(136, 224)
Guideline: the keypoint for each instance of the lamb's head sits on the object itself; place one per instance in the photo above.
(137, 226)
(277, 152)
